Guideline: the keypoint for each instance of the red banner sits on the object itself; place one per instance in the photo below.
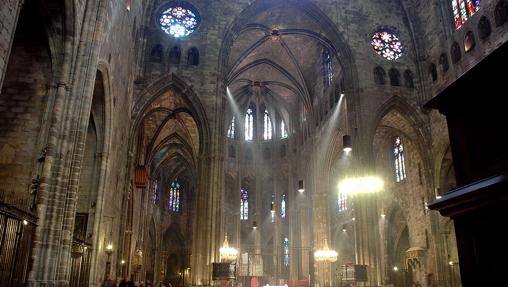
(140, 176)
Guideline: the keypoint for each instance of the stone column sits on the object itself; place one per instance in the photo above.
(65, 145)
(367, 237)
(207, 226)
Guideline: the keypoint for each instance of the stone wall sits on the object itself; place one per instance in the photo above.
(9, 11)
(46, 99)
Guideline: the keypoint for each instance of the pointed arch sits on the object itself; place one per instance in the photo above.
(185, 91)
(415, 130)
(337, 44)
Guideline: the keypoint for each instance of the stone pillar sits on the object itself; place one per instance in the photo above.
(207, 227)
(305, 235)
(65, 145)
(367, 237)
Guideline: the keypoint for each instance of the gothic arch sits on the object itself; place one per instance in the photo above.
(104, 144)
(331, 141)
(196, 109)
(335, 43)
(410, 113)
(415, 130)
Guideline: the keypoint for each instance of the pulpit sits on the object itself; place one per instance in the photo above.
(476, 111)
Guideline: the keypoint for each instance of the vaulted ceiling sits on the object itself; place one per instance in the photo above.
(168, 132)
(280, 51)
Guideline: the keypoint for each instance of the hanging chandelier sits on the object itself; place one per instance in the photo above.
(326, 254)
(227, 254)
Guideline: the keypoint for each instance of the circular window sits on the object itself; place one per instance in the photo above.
(179, 20)
(387, 44)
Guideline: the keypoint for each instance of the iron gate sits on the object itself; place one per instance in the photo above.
(81, 253)
(16, 230)
(80, 264)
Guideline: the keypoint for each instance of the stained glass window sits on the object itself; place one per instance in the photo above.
(179, 21)
(463, 10)
(387, 44)
(267, 126)
(155, 193)
(283, 130)
(327, 68)
(244, 204)
(283, 207)
(400, 165)
(272, 208)
(231, 130)
(174, 196)
(342, 201)
(249, 124)
(285, 246)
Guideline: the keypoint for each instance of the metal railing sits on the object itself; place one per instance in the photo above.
(16, 231)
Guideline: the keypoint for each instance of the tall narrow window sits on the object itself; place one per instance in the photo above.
(249, 124)
(342, 201)
(193, 56)
(283, 130)
(174, 196)
(283, 207)
(463, 10)
(285, 246)
(400, 165)
(244, 204)
(272, 208)
(231, 130)
(155, 192)
(267, 126)
(327, 68)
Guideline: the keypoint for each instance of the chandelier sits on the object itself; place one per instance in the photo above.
(227, 254)
(326, 254)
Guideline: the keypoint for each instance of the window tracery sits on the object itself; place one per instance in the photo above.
(387, 44)
(231, 129)
(267, 126)
(174, 203)
(327, 68)
(249, 123)
(463, 10)
(180, 20)
(400, 165)
(244, 204)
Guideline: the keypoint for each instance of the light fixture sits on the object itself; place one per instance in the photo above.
(326, 254)
(383, 215)
(395, 268)
(122, 262)
(344, 230)
(353, 219)
(346, 143)
(109, 249)
(227, 254)
(301, 188)
(275, 35)
(25, 222)
(438, 197)
(367, 184)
